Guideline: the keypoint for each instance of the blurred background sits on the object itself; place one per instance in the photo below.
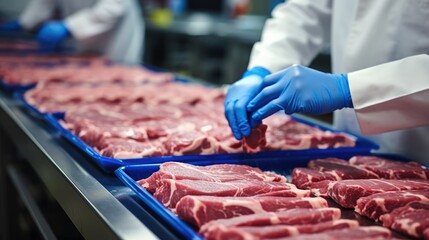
(207, 40)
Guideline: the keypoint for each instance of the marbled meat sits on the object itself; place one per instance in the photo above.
(199, 210)
(298, 216)
(373, 206)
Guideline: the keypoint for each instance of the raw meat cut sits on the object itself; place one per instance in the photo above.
(328, 169)
(286, 133)
(375, 205)
(211, 173)
(320, 189)
(298, 216)
(280, 231)
(389, 218)
(389, 169)
(411, 219)
(128, 148)
(286, 193)
(199, 210)
(347, 192)
(304, 177)
(256, 141)
(361, 233)
(190, 143)
(171, 191)
(340, 169)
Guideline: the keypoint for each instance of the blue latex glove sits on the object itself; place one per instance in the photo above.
(239, 95)
(11, 26)
(52, 34)
(299, 89)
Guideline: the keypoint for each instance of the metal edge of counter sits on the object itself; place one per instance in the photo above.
(96, 213)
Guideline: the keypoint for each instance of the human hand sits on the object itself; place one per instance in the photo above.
(239, 95)
(300, 89)
(10, 26)
(52, 34)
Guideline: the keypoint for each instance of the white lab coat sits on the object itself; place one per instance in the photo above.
(363, 35)
(111, 27)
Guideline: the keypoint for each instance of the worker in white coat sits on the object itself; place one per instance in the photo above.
(113, 28)
(381, 72)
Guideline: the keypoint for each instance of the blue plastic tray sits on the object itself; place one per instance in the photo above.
(363, 146)
(281, 165)
(10, 88)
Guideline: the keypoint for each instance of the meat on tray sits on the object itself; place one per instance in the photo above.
(361, 233)
(375, 205)
(298, 216)
(199, 210)
(171, 191)
(256, 141)
(285, 133)
(171, 93)
(347, 192)
(389, 169)
(328, 169)
(128, 148)
(281, 231)
(411, 219)
(24, 74)
(211, 173)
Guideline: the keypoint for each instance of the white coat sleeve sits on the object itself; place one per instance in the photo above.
(392, 96)
(97, 19)
(35, 12)
(294, 35)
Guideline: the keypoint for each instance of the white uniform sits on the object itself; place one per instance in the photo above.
(364, 34)
(111, 27)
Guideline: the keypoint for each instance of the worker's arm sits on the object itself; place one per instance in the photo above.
(294, 35)
(36, 12)
(392, 96)
(101, 17)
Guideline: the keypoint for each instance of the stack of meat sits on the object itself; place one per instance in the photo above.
(394, 192)
(131, 112)
(240, 202)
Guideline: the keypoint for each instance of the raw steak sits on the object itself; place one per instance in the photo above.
(328, 169)
(287, 193)
(171, 191)
(389, 169)
(280, 231)
(320, 189)
(199, 210)
(361, 233)
(375, 205)
(304, 177)
(256, 141)
(411, 219)
(389, 218)
(128, 148)
(340, 169)
(190, 143)
(347, 192)
(286, 133)
(211, 173)
(298, 216)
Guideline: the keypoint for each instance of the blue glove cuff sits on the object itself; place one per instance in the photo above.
(260, 71)
(346, 91)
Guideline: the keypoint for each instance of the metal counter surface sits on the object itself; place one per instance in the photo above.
(98, 204)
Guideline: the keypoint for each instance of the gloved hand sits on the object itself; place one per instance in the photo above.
(299, 89)
(52, 34)
(11, 26)
(238, 96)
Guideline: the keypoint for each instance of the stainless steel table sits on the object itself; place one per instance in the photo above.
(96, 202)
